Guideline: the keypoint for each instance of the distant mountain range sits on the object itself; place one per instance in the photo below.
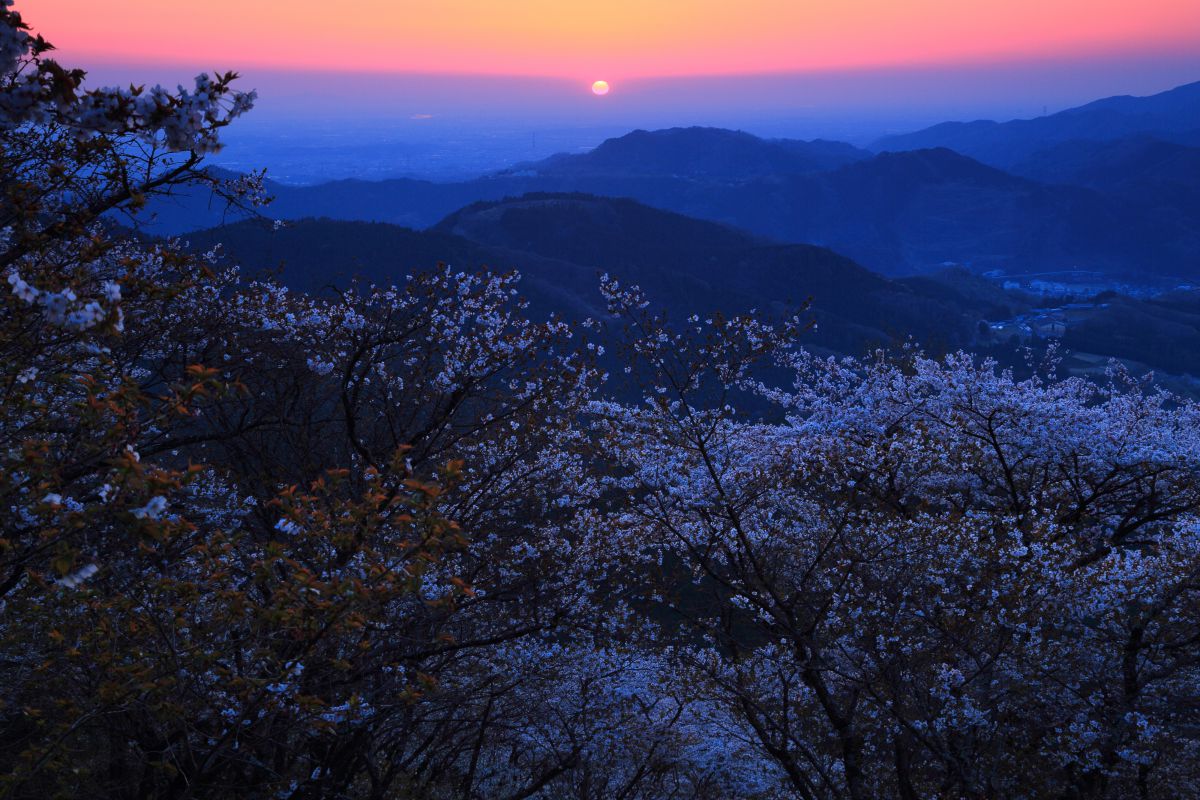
(700, 153)
(1171, 116)
(1127, 206)
(562, 242)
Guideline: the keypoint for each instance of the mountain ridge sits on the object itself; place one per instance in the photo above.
(897, 212)
(698, 152)
(713, 267)
(1172, 115)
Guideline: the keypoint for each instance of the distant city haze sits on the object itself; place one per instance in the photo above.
(446, 89)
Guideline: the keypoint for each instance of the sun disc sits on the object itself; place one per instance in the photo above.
(600, 88)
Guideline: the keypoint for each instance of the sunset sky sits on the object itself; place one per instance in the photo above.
(612, 39)
(449, 87)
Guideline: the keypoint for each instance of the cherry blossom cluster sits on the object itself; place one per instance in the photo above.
(930, 557)
(36, 90)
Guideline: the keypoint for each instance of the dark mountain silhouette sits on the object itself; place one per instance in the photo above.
(699, 153)
(1172, 116)
(913, 211)
(897, 213)
(562, 243)
(634, 165)
(902, 213)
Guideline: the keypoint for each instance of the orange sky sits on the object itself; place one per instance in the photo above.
(612, 39)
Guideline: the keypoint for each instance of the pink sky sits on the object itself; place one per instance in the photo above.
(614, 39)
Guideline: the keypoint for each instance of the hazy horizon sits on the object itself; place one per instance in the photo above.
(464, 87)
(311, 126)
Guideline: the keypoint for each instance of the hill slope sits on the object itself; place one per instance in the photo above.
(561, 243)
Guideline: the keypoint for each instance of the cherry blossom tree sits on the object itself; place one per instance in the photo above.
(266, 544)
(926, 578)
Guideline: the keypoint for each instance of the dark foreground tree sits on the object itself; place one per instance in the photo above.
(228, 566)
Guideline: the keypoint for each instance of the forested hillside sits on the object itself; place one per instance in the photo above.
(561, 244)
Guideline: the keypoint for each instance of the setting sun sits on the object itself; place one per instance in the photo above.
(600, 88)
